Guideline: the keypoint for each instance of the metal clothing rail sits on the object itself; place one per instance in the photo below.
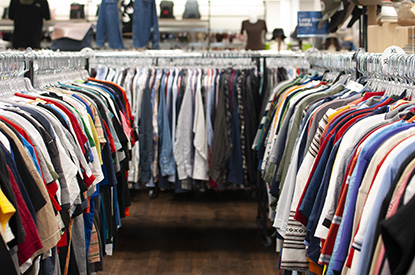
(395, 67)
(220, 59)
(399, 68)
(201, 54)
(47, 62)
(13, 64)
(325, 61)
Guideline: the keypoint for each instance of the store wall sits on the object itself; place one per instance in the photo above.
(226, 15)
(61, 7)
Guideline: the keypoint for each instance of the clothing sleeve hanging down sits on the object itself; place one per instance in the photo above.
(200, 168)
(146, 135)
(183, 147)
(167, 164)
(221, 144)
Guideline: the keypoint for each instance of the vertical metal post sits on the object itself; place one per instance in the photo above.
(364, 27)
(209, 22)
(29, 59)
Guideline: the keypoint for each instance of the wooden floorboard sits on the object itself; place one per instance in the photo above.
(197, 233)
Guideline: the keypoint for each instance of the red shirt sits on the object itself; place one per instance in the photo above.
(32, 242)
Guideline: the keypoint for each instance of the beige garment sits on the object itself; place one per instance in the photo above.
(46, 221)
(75, 31)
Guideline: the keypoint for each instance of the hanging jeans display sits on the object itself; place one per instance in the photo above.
(145, 24)
(108, 25)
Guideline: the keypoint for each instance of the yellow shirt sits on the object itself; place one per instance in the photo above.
(6, 210)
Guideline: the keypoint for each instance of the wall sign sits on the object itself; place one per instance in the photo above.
(307, 24)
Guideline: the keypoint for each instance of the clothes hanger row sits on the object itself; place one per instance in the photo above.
(53, 67)
(45, 67)
(393, 74)
(199, 54)
(226, 59)
(332, 62)
(13, 66)
(397, 67)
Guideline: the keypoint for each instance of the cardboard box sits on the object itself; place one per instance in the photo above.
(381, 37)
(404, 35)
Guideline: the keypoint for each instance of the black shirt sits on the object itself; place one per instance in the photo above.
(28, 22)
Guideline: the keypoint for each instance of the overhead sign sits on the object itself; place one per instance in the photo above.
(307, 25)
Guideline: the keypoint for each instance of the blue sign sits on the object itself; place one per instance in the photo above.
(308, 24)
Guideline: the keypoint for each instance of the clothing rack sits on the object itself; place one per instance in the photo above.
(399, 66)
(18, 70)
(166, 59)
(395, 70)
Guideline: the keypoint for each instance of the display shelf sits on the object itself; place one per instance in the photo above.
(184, 25)
(165, 25)
(7, 24)
(227, 45)
(184, 44)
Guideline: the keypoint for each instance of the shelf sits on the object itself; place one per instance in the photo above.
(185, 44)
(7, 24)
(167, 44)
(185, 25)
(226, 45)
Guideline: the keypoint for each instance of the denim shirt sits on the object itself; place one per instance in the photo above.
(166, 159)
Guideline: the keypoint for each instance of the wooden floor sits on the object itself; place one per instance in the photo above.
(204, 233)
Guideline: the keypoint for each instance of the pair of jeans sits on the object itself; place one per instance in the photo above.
(108, 25)
(145, 20)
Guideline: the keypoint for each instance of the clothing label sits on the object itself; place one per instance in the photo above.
(354, 86)
(109, 249)
(392, 50)
(341, 8)
(308, 22)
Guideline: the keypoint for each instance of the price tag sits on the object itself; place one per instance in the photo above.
(392, 50)
(354, 86)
